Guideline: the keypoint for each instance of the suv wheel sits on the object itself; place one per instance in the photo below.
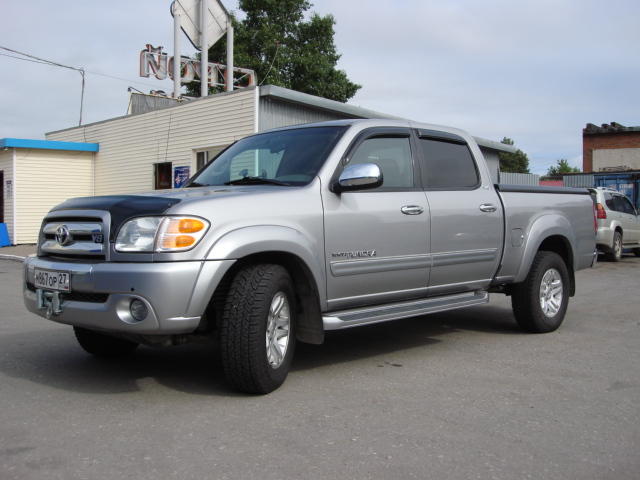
(540, 302)
(102, 345)
(257, 328)
(616, 249)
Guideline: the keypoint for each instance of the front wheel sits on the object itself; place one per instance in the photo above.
(102, 345)
(257, 328)
(540, 302)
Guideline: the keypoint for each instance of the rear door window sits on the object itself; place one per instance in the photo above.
(447, 165)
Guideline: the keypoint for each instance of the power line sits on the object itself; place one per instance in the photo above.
(50, 62)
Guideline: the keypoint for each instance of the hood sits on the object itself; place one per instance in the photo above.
(124, 207)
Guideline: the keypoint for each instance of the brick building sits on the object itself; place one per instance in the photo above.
(610, 148)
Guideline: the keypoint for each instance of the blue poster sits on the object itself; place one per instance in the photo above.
(180, 176)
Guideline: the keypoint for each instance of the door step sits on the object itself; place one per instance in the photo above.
(394, 311)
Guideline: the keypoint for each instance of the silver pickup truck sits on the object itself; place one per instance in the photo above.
(293, 232)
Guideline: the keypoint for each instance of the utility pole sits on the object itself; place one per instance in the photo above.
(204, 50)
(177, 80)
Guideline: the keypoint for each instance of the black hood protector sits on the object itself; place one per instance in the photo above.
(121, 207)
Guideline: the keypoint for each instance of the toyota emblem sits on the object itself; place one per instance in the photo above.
(63, 236)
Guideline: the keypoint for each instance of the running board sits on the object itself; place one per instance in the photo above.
(394, 311)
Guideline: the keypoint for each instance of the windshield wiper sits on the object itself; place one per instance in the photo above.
(196, 184)
(256, 181)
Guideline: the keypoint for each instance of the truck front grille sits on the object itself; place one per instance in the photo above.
(73, 237)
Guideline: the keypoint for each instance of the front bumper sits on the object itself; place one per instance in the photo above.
(175, 293)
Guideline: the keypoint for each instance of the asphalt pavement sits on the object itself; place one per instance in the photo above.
(458, 395)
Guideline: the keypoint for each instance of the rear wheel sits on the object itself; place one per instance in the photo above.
(257, 328)
(540, 302)
(102, 345)
(616, 248)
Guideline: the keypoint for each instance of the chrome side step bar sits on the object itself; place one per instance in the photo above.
(394, 311)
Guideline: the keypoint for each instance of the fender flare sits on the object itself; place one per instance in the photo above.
(272, 238)
(542, 228)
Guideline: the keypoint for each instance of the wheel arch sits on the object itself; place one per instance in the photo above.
(550, 233)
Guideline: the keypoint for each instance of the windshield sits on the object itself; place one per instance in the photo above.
(286, 157)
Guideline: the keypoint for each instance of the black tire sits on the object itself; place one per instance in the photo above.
(243, 328)
(526, 298)
(102, 345)
(615, 253)
(636, 252)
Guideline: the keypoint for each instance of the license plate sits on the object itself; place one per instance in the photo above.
(52, 280)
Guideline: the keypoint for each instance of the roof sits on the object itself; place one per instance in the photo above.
(293, 96)
(608, 128)
(299, 98)
(48, 145)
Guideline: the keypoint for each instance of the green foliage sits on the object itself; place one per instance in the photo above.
(285, 50)
(517, 162)
(562, 166)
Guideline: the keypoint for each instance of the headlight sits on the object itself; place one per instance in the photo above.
(161, 234)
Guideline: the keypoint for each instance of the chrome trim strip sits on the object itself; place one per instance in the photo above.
(468, 256)
(74, 227)
(370, 315)
(76, 248)
(378, 265)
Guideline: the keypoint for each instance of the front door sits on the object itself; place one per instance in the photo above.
(376, 248)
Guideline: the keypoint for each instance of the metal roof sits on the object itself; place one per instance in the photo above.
(299, 98)
(48, 145)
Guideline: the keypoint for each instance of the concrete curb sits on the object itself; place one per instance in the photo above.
(15, 258)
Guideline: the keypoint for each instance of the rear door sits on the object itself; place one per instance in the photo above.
(377, 241)
(466, 214)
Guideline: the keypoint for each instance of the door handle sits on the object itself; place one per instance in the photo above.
(412, 209)
(488, 207)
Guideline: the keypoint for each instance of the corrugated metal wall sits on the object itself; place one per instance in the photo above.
(45, 178)
(130, 146)
(508, 178)
(276, 114)
(6, 165)
(579, 181)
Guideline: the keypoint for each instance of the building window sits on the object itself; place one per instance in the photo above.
(201, 160)
(162, 175)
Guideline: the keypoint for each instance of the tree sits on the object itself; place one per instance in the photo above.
(285, 50)
(562, 166)
(517, 162)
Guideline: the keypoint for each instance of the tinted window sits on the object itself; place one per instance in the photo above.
(392, 155)
(608, 200)
(447, 165)
(626, 206)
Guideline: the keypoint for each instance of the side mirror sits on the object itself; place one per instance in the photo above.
(361, 176)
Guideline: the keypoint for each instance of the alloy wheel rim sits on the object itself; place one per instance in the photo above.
(551, 292)
(618, 248)
(278, 329)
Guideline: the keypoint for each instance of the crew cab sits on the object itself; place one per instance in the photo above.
(291, 233)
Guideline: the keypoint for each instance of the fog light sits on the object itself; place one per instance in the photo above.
(138, 309)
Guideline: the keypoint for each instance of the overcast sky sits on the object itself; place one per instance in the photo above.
(534, 71)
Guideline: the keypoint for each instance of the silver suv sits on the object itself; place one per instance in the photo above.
(618, 223)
